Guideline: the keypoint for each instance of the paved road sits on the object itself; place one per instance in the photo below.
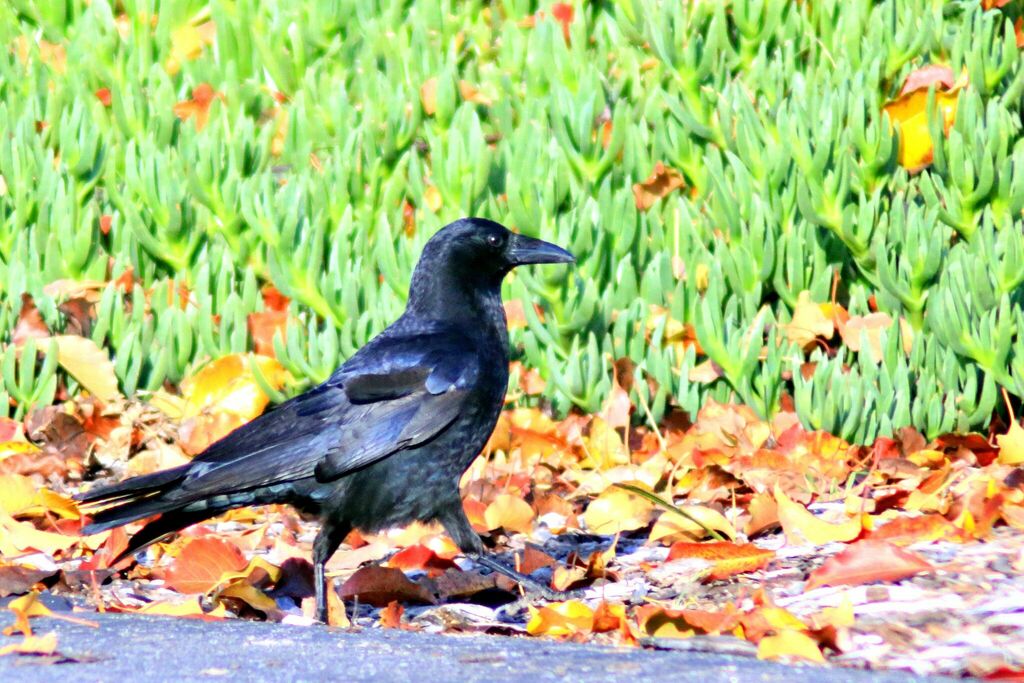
(139, 648)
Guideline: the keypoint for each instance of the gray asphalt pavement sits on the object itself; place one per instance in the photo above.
(139, 648)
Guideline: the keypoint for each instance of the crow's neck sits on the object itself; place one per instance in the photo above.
(463, 300)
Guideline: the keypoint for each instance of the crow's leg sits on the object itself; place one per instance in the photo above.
(332, 533)
(461, 531)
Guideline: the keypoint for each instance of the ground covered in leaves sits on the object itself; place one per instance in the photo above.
(730, 533)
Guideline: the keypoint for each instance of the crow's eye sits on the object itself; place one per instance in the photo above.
(494, 240)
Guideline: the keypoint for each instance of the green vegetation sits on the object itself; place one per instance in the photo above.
(327, 117)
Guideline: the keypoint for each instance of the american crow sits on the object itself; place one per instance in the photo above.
(385, 440)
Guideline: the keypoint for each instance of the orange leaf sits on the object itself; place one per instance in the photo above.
(199, 106)
(563, 14)
(726, 558)
(263, 327)
(391, 616)
(103, 95)
(202, 563)
(865, 562)
(662, 181)
(379, 586)
(907, 530)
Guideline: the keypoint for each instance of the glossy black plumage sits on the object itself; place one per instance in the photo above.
(382, 442)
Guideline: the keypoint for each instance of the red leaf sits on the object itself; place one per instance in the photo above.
(420, 557)
(865, 562)
(202, 563)
(379, 586)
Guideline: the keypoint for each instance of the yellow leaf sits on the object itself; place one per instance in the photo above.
(560, 619)
(229, 385)
(17, 493)
(908, 114)
(509, 512)
(617, 510)
(672, 526)
(1011, 445)
(20, 538)
(432, 198)
(800, 526)
(88, 364)
(9, 448)
(787, 644)
(33, 645)
(604, 447)
(809, 322)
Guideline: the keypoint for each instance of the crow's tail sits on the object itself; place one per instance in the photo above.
(141, 497)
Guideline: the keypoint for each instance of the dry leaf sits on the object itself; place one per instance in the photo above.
(907, 113)
(662, 181)
(560, 619)
(800, 526)
(202, 563)
(510, 513)
(89, 365)
(727, 558)
(617, 510)
(789, 644)
(866, 562)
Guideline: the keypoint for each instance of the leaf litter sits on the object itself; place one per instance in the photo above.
(727, 532)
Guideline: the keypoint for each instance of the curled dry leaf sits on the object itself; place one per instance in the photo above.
(800, 526)
(662, 182)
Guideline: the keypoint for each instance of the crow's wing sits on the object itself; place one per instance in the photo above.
(395, 393)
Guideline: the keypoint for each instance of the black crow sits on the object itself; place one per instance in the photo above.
(384, 441)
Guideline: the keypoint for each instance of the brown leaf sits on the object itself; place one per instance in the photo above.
(30, 322)
(662, 181)
(378, 586)
(865, 562)
(16, 579)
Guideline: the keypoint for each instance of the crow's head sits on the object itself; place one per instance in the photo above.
(464, 263)
(478, 248)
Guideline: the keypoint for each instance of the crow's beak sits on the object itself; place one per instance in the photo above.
(524, 250)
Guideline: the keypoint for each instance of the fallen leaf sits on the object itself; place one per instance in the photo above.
(809, 322)
(921, 529)
(189, 609)
(867, 561)
(510, 513)
(30, 322)
(1011, 445)
(907, 113)
(692, 526)
(33, 645)
(202, 563)
(421, 557)
(198, 106)
(727, 558)
(789, 644)
(16, 579)
(378, 586)
(923, 78)
(800, 526)
(89, 365)
(616, 510)
(560, 619)
(662, 182)
(391, 616)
